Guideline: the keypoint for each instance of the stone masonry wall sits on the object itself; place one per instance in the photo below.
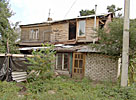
(101, 67)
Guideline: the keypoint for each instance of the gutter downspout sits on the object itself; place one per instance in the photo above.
(94, 23)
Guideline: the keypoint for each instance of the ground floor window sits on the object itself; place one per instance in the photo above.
(62, 61)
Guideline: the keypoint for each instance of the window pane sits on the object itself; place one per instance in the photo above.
(77, 70)
(80, 70)
(65, 61)
(81, 28)
(75, 55)
(81, 56)
(76, 63)
(80, 63)
(59, 66)
(74, 70)
(34, 34)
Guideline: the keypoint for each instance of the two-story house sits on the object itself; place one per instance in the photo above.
(71, 38)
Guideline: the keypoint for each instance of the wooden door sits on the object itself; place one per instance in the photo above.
(78, 65)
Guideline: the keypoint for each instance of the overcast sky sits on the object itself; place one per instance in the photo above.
(36, 11)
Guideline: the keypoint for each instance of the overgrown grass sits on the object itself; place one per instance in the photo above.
(66, 89)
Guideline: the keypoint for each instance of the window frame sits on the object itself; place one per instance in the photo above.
(77, 57)
(32, 36)
(80, 26)
(47, 32)
(62, 61)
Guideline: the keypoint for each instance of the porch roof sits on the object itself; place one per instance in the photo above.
(65, 48)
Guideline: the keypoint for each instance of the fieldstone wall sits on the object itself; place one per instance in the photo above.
(101, 67)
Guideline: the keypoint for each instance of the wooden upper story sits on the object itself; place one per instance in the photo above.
(67, 31)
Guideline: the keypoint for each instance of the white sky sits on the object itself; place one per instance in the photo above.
(36, 11)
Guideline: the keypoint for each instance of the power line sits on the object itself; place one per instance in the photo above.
(70, 8)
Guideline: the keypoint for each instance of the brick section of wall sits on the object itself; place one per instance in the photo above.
(101, 67)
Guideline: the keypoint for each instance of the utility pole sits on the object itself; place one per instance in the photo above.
(125, 54)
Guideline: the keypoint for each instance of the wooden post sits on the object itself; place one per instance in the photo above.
(63, 61)
(56, 61)
(7, 59)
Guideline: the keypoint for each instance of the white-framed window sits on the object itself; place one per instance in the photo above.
(34, 34)
(62, 61)
(81, 28)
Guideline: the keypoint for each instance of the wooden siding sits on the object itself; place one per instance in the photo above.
(60, 32)
(24, 34)
(88, 31)
(43, 34)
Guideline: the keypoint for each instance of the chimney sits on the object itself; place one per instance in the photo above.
(49, 19)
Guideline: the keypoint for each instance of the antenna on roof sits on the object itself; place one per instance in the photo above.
(49, 13)
(49, 18)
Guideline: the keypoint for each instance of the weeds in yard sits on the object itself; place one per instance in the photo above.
(67, 89)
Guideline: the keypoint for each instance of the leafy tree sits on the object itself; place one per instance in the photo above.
(42, 60)
(86, 12)
(111, 39)
(113, 9)
(7, 33)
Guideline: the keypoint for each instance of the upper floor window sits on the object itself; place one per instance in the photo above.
(34, 33)
(81, 28)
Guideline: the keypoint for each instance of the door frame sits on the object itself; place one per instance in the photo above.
(83, 68)
(75, 29)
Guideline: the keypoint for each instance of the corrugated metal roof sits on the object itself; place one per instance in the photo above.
(88, 50)
(35, 48)
(19, 76)
(80, 17)
(67, 48)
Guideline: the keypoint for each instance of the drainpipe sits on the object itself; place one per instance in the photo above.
(95, 23)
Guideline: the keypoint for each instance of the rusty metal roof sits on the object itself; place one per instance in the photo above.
(55, 21)
(66, 48)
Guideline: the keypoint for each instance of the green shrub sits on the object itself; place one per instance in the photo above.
(41, 63)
